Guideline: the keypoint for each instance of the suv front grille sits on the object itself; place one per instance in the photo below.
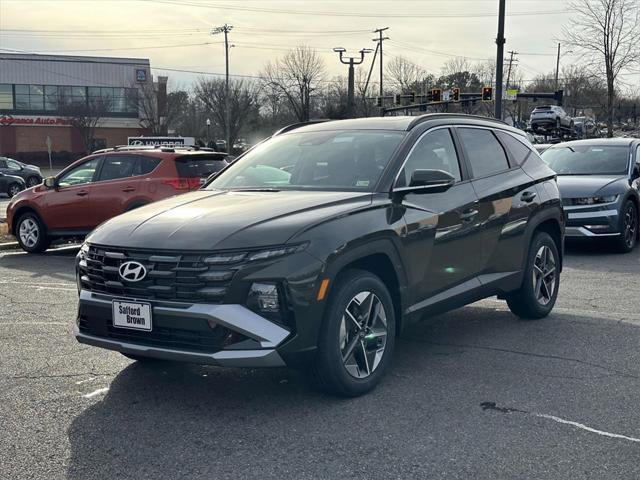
(170, 275)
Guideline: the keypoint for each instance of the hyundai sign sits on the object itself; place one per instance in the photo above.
(162, 141)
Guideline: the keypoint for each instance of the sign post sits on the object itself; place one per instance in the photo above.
(49, 143)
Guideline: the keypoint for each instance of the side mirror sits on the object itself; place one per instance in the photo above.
(50, 182)
(429, 181)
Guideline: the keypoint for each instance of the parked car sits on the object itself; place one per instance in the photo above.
(11, 185)
(379, 222)
(598, 180)
(586, 127)
(550, 116)
(103, 185)
(541, 147)
(29, 173)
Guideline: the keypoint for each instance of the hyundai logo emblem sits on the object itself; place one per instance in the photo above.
(132, 271)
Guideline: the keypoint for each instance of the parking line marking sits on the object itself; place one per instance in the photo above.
(35, 323)
(582, 426)
(96, 392)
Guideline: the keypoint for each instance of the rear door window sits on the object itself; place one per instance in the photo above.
(199, 166)
(486, 155)
(145, 165)
(115, 167)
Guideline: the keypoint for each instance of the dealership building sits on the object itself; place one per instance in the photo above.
(34, 90)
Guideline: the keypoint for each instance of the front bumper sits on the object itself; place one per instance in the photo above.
(258, 337)
(592, 221)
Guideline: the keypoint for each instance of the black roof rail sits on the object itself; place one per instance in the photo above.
(293, 126)
(431, 116)
(162, 148)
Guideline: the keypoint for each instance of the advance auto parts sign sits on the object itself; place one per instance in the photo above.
(8, 120)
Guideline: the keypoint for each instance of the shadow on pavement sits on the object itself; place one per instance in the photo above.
(185, 421)
(56, 263)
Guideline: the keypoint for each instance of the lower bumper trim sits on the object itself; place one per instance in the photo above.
(223, 358)
(583, 232)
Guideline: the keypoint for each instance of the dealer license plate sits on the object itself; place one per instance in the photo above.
(133, 315)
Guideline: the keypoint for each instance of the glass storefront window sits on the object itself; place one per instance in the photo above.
(6, 97)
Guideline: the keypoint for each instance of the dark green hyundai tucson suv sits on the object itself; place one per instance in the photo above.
(320, 245)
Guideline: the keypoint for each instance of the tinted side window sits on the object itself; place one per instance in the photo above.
(13, 165)
(518, 150)
(199, 166)
(117, 166)
(484, 152)
(3, 163)
(434, 151)
(146, 165)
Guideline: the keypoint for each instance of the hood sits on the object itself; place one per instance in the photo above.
(574, 186)
(217, 220)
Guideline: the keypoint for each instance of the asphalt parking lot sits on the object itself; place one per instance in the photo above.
(474, 393)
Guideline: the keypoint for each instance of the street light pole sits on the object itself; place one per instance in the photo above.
(208, 136)
(351, 61)
(500, 41)
(381, 39)
(227, 116)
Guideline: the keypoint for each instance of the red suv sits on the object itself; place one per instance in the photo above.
(103, 185)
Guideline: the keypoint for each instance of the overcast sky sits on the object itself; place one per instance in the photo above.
(175, 33)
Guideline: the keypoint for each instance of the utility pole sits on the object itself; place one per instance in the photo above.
(511, 60)
(227, 115)
(557, 67)
(381, 39)
(351, 61)
(500, 41)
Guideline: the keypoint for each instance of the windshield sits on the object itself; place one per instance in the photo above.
(588, 160)
(325, 160)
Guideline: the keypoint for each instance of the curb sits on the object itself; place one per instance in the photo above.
(9, 246)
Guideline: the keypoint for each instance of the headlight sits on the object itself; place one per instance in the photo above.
(264, 298)
(595, 200)
(226, 258)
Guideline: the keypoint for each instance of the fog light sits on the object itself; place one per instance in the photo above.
(263, 297)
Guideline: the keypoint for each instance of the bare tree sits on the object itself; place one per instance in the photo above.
(243, 104)
(405, 76)
(84, 116)
(296, 76)
(606, 33)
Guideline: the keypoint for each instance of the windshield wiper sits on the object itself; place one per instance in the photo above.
(265, 189)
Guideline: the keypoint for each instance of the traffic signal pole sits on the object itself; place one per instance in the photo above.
(500, 41)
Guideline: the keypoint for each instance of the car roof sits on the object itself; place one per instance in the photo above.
(400, 123)
(620, 141)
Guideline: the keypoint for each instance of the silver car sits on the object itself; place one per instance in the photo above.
(550, 116)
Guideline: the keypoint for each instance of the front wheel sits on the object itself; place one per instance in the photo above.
(31, 233)
(357, 336)
(32, 182)
(628, 219)
(538, 293)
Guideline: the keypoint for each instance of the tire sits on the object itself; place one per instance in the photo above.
(534, 299)
(341, 367)
(32, 234)
(32, 181)
(628, 227)
(13, 189)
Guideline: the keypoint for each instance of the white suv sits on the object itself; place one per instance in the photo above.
(550, 116)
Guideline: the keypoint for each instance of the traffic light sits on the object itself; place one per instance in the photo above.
(379, 101)
(456, 94)
(436, 94)
(487, 94)
(397, 99)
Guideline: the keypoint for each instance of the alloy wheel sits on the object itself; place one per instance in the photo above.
(32, 182)
(363, 334)
(29, 232)
(630, 226)
(544, 275)
(14, 190)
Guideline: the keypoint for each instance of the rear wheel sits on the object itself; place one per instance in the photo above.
(539, 291)
(628, 219)
(14, 189)
(32, 181)
(31, 234)
(357, 337)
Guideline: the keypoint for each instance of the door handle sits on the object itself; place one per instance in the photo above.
(468, 215)
(82, 193)
(528, 196)
(128, 189)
